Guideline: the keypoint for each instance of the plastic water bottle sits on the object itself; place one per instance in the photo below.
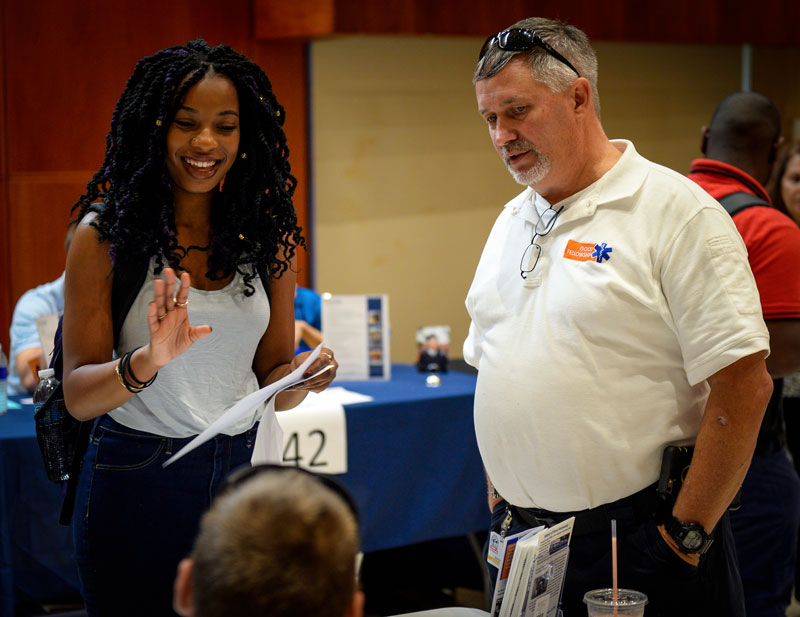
(3, 382)
(47, 384)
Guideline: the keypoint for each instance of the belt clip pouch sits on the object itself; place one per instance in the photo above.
(674, 466)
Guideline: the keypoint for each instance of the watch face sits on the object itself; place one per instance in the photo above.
(693, 540)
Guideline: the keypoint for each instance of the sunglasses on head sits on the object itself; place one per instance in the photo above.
(241, 475)
(521, 39)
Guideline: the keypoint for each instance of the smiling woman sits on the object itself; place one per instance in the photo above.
(197, 221)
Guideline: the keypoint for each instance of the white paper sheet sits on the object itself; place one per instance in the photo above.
(334, 395)
(269, 438)
(247, 405)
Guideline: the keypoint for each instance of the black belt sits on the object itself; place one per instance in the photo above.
(645, 505)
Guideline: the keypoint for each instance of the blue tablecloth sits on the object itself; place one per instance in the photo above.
(414, 470)
(414, 466)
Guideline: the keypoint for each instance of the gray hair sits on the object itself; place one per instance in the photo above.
(569, 41)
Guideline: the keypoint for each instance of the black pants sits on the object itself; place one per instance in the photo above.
(765, 529)
(791, 416)
(647, 564)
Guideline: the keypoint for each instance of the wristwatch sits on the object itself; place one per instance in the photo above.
(690, 537)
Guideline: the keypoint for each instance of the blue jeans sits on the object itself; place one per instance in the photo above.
(134, 520)
(647, 564)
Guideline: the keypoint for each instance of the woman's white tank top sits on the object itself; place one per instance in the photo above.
(195, 388)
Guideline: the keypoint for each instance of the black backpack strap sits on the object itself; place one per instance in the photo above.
(56, 361)
(736, 202)
(128, 281)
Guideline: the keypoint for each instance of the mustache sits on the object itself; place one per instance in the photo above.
(518, 145)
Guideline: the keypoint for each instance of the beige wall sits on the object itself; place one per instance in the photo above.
(407, 185)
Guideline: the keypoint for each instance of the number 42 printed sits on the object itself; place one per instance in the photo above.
(315, 438)
(294, 449)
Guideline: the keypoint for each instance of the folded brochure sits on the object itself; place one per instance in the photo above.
(531, 572)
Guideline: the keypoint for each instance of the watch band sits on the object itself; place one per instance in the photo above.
(691, 538)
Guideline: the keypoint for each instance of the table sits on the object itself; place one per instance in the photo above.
(413, 469)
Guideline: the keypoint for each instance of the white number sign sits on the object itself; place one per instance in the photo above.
(315, 437)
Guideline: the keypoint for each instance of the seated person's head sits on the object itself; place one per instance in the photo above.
(281, 542)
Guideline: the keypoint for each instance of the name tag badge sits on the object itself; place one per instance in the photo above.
(496, 544)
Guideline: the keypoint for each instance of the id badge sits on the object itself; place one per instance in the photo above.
(496, 546)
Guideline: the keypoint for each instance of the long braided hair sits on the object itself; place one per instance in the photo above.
(253, 219)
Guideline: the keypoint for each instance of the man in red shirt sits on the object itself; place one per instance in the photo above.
(740, 147)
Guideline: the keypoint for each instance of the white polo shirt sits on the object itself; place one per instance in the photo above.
(588, 368)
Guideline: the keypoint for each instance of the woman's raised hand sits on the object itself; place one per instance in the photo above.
(167, 316)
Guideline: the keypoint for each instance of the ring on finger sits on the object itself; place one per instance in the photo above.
(182, 304)
(325, 353)
(160, 317)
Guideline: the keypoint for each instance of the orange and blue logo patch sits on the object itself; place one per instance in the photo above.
(588, 251)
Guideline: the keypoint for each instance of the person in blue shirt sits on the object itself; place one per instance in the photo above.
(307, 319)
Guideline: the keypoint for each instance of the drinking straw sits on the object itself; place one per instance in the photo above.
(614, 593)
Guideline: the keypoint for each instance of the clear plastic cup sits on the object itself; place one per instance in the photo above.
(600, 602)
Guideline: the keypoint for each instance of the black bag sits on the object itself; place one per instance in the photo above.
(57, 432)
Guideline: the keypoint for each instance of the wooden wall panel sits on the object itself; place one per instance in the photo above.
(303, 18)
(44, 224)
(5, 252)
(660, 21)
(64, 82)
(60, 89)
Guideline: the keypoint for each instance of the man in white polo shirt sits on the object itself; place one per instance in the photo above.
(613, 314)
